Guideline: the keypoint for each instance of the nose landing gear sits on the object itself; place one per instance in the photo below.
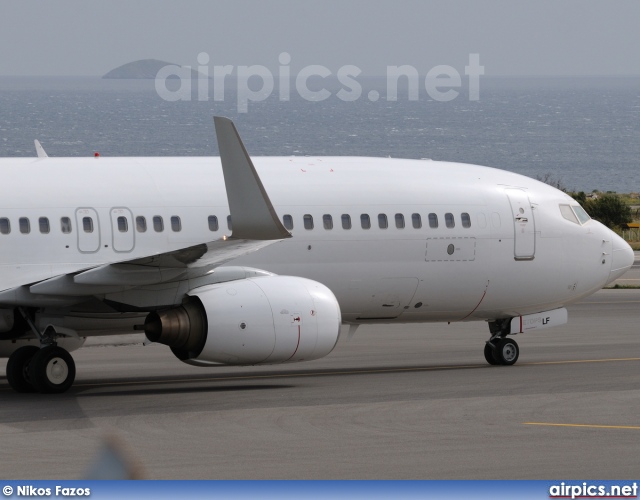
(500, 350)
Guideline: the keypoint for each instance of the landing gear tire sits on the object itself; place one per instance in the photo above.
(52, 370)
(489, 356)
(18, 366)
(506, 351)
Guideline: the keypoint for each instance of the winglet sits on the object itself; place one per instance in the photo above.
(252, 213)
(40, 150)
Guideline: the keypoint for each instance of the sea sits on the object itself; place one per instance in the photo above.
(582, 134)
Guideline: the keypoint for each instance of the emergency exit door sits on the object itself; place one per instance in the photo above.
(122, 229)
(88, 226)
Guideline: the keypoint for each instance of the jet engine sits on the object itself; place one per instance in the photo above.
(264, 320)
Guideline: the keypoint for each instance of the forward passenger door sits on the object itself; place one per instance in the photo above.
(524, 224)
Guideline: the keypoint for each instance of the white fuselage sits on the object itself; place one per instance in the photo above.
(504, 264)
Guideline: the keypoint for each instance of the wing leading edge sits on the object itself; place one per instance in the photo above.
(255, 226)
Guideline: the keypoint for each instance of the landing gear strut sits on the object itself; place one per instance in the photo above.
(49, 369)
(500, 350)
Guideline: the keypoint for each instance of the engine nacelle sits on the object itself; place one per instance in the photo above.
(265, 320)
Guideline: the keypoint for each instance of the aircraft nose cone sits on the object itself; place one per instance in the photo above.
(622, 258)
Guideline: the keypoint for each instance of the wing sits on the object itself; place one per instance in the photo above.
(255, 226)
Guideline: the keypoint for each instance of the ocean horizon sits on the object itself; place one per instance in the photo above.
(584, 132)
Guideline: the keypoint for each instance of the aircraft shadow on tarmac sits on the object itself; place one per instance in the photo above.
(246, 381)
(136, 390)
(213, 382)
(188, 383)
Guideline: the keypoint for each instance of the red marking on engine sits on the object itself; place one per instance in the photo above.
(478, 305)
(297, 345)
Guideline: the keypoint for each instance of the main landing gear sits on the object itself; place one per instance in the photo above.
(48, 369)
(500, 350)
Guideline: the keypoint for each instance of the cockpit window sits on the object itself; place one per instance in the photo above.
(575, 213)
(582, 215)
(568, 214)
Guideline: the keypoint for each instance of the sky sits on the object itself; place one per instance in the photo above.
(517, 38)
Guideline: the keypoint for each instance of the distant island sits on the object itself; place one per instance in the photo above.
(145, 69)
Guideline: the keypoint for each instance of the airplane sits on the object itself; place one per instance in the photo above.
(255, 261)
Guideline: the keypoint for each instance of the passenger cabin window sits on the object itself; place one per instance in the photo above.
(229, 223)
(416, 220)
(308, 221)
(43, 224)
(141, 224)
(123, 225)
(400, 221)
(433, 221)
(65, 225)
(482, 220)
(449, 220)
(382, 221)
(365, 221)
(176, 224)
(327, 221)
(213, 223)
(287, 220)
(346, 221)
(25, 225)
(5, 225)
(495, 220)
(158, 224)
(87, 224)
(466, 220)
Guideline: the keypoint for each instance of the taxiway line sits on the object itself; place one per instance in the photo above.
(590, 426)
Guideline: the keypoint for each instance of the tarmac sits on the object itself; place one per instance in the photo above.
(395, 402)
